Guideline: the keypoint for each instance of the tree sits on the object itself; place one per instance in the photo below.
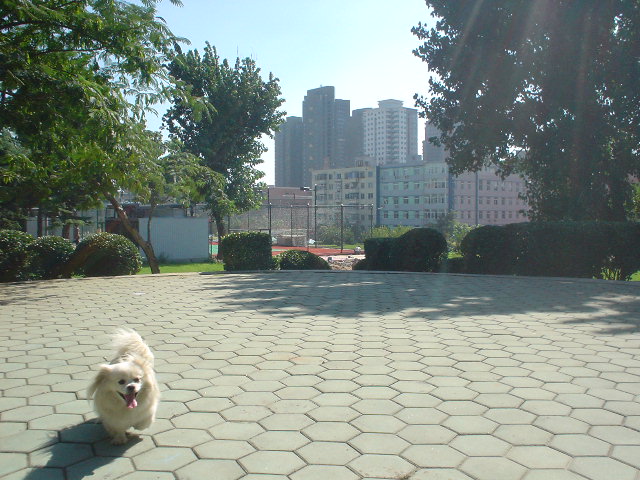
(547, 88)
(220, 114)
(76, 80)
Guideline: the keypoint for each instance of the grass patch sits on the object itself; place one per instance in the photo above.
(185, 268)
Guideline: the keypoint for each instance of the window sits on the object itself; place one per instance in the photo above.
(405, 200)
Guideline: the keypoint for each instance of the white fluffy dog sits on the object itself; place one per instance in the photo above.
(125, 393)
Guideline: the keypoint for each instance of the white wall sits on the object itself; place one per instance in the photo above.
(178, 239)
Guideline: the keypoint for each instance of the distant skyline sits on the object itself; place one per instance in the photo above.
(361, 47)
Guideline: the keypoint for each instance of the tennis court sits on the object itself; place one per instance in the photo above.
(277, 249)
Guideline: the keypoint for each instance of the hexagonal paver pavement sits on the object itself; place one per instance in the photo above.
(329, 375)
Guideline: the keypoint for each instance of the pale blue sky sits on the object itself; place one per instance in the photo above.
(361, 47)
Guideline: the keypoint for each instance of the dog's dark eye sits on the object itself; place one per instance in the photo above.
(136, 380)
(121, 382)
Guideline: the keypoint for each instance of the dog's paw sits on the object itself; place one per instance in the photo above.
(119, 439)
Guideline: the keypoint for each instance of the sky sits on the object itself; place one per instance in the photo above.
(361, 47)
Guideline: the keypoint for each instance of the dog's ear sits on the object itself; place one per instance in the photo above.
(103, 374)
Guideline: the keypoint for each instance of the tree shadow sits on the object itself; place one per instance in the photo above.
(79, 451)
(611, 307)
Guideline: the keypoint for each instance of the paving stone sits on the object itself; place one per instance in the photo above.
(327, 453)
(164, 458)
(182, 437)
(324, 472)
(378, 424)
(523, 435)
(552, 474)
(29, 440)
(331, 431)
(284, 421)
(11, 462)
(279, 440)
(382, 443)
(616, 435)
(580, 445)
(100, 467)
(492, 468)
(540, 456)
(439, 474)
(60, 455)
(218, 469)
(602, 468)
(480, 445)
(629, 454)
(436, 456)
(236, 430)
(272, 462)
(381, 466)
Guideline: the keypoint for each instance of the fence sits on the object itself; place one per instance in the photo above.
(302, 225)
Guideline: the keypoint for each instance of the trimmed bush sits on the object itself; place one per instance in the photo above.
(361, 265)
(247, 251)
(47, 254)
(14, 255)
(418, 250)
(556, 249)
(109, 254)
(301, 260)
(452, 265)
(377, 253)
(486, 250)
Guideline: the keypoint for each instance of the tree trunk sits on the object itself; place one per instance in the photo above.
(153, 207)
(66, 228)
(146, 246)
(39, 222)
(221, 232)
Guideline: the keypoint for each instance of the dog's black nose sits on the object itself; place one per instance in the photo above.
(130, 388)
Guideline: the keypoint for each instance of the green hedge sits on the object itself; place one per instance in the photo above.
(418, 250)
(110, 254)
(47, 254)
(556, 249)
(247, 251)
(301, 260)
(14, 255)
(377, 253)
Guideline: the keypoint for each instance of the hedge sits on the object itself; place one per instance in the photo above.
(48, 253)
(301, 260)
(247, 251)
(556, 249)
(14, 255)
(108, 254)
(418, 250)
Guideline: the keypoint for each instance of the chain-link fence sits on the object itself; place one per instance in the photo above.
(303, 225)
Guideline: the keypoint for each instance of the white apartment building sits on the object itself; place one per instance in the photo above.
(390, 133)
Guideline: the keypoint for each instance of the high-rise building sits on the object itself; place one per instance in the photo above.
(390, 133)
(288, 153)
(430, 152)
(325, 122)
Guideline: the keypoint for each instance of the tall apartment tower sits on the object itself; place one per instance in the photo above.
(390, 133)
(288, 153)
(431, 153)
(325, 122)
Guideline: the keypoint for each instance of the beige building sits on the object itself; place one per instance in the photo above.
(353, 187)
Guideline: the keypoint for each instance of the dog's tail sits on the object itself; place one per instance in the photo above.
(128, 342)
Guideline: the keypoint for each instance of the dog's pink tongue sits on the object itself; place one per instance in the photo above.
(131, 400)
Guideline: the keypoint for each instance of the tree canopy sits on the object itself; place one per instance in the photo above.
(220, 114)
(548, 88)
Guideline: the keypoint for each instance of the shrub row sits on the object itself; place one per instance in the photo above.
(252, 251)
(23, 257)
(418, 250)
(558, 249)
